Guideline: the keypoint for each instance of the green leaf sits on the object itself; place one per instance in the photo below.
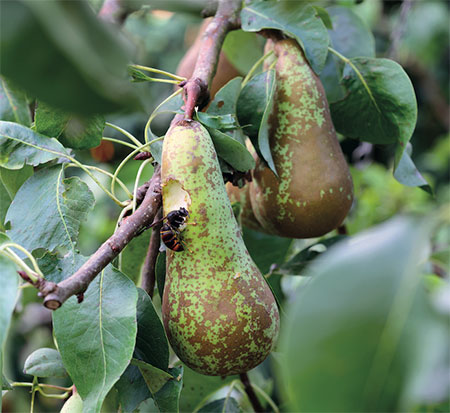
(8, 292)
(73, 131)
(5, 385)
(96, 338)
(137, 75)
(325, 16)
(225, 405)
(151, 341)
(221, 121)
(45, 362)
(131, 389)
(265, 249)
(352, 38)
(68, 57)
(232, 151)
(297, 264)
(21, 146)
(225, 101)
(13, 179)
(161, 273)
(153, 376)
(199, 388)
(407, 174)
(165, 387)
(363, 316)
(10, 182)
(54, 208)
(253, 110)
(13, 104)
(242, 49)
(297, 19)
(382, 95)
(133, 256)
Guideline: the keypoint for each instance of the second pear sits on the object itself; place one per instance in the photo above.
(314, 191)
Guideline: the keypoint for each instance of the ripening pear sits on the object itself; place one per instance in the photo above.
(225, 70)
(314, 190)
(218, 311)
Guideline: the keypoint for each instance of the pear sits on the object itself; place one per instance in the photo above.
(74, 404)
(218, 311)
(313, 191)
(225, 70)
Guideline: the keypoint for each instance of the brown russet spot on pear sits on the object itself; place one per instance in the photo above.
(218, 310)
(313, 191)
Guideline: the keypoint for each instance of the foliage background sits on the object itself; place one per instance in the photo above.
(159, 39)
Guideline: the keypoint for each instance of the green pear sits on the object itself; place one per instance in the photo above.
(74, 404)
(313, 191)
(218, 310)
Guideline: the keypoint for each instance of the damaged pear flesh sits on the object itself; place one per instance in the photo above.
(314, 191)
(218, 311)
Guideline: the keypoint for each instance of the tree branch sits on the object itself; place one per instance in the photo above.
(195, 94)
(114, 11)
(196, 88)
(148, 271)
(56, 294)
(250, 393)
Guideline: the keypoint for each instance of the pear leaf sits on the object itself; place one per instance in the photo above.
(73, 131)
(20, 145)
(54, 207)
(381, 93)
(96, 338)
(297, 19)
(13, 104)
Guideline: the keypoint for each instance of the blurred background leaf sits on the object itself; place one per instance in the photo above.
(69, 50)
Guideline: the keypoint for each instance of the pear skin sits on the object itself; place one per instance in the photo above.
(218, 310)
(314, 191)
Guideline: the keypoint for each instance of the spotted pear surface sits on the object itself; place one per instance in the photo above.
(314, 190)
(218, 311)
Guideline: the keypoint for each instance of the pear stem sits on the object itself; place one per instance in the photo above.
(257, 407)
(149, 269)
(196, 89)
